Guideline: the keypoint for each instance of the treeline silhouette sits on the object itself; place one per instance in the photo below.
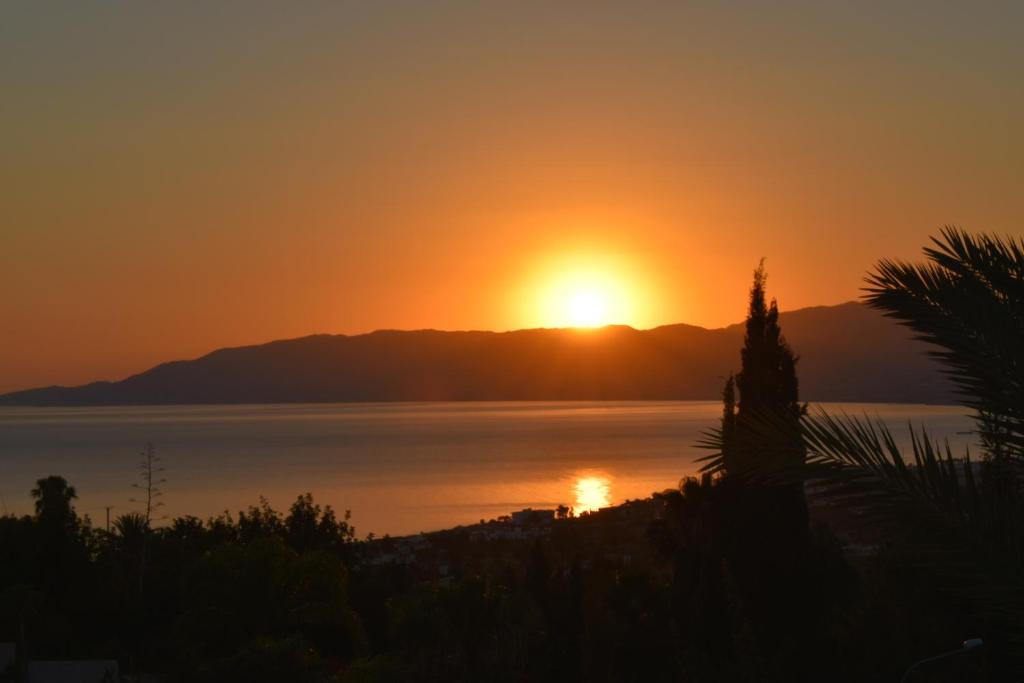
(260, 597)
(734, 576)
(269, 597)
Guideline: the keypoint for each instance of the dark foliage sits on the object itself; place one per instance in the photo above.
(269, 593)
(967, 302)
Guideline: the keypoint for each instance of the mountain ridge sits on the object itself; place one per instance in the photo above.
(848, 353)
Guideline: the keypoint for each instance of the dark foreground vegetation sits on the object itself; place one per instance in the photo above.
(809, 551)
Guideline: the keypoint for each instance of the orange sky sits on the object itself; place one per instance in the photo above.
(176, 179)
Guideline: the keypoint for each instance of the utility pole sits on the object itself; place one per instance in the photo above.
(109, 508)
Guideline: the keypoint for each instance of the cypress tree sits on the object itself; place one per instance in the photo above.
(729, 423)
(762, 527)
(767, 387)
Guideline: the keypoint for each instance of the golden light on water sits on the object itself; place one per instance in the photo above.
(592, 493)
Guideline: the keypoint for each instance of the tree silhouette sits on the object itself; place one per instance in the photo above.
(767, 385)
(961, 524)
(53, 503)
(59, 544)
(744, 537)
(965, 524)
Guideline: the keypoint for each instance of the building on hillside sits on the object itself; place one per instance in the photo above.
(531, 516)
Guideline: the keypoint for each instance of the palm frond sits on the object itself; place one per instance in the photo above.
(926, 494)
(968, 303)
(959, 532)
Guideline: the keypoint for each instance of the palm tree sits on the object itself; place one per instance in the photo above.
(54, 500)
(966, 519)
(968, 302)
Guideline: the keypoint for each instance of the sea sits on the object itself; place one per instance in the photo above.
(400, 468)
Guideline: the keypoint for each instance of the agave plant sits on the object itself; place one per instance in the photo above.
(130, 529)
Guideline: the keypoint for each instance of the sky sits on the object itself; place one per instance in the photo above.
(179, 177)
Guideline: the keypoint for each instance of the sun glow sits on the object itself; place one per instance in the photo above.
(592, 493)
(573, 284)
(586, 308)
(585, 298)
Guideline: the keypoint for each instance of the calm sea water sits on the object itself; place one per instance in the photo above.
(400, 468)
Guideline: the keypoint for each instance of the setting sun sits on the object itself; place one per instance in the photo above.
(586, 291)
(586, 309)
(586, 299)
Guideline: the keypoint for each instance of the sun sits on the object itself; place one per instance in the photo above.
(586, 308)
(584, 290)
(585, 298)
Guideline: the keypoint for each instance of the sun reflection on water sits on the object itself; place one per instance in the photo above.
(592, 493)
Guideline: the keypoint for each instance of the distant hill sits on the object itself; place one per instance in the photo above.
(847, 353)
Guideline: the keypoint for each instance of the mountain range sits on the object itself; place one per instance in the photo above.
(847, 353)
